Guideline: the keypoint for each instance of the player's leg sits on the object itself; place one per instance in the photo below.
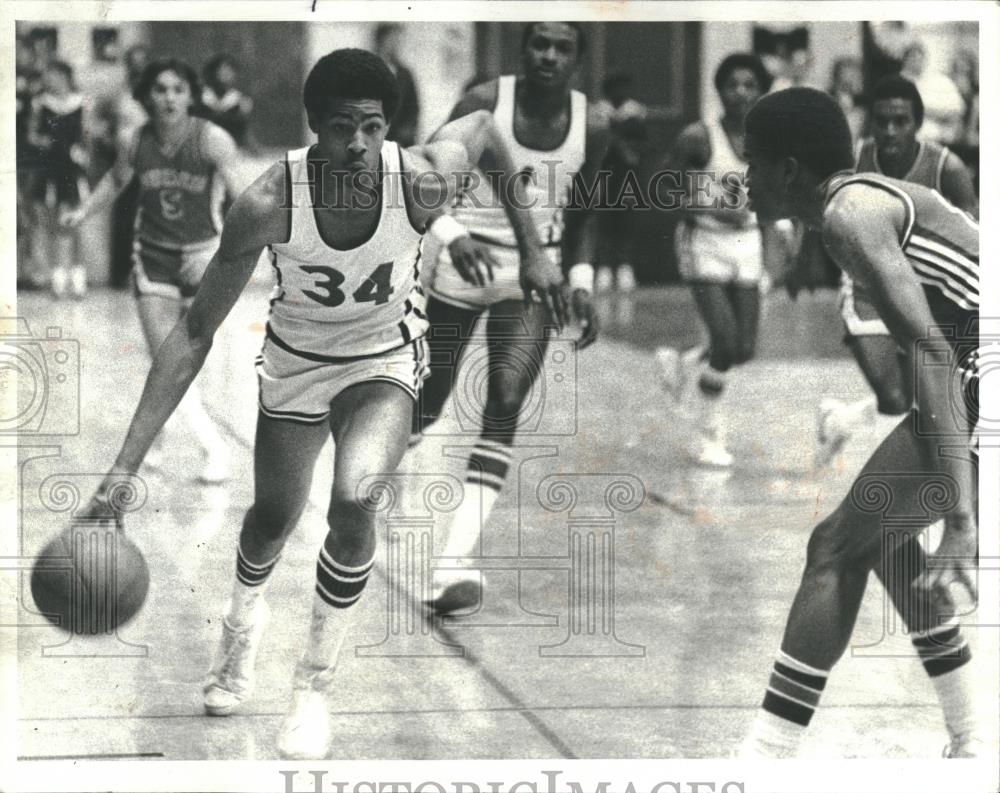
(886, 371)
(707, 385)
(284, 457)
(370, 423)
(451, 327)
(745, 300)
(843, 549)
(517, 342)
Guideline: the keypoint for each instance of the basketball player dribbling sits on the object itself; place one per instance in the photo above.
(344, 354)
(918, 258)
(183, 166)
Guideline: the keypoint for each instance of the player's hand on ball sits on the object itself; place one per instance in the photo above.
(473, 260)
(583, 310)
(100, 508)
(955, 560)
(543, 277)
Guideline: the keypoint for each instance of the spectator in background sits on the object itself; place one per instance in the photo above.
(965, 74)
(27, 85)
(847, 87)
(944, 108)
(402, 126)
(130, 115)
(55, 129)
(626, 118)
(222, 102)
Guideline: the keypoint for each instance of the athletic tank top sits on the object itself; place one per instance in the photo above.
(723, 160)
(926, 168)
(331, 304)
(180, 200)
(940, 242)
(550, 177)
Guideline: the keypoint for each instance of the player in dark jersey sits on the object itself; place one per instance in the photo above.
(350, 96)
(184, 165)
(919, 257)
(55, 129)
(894, 149)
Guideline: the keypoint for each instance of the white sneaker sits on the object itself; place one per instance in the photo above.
(965, 749)
(625, 278)
(605, 280)
(231, 678)
(60, 282)
(216, 468)
(78, 282)
(831, 433)
(305, 733)
(711, 452)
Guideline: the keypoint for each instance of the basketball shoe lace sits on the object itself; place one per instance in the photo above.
(233, 671)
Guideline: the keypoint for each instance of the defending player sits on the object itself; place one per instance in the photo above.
(720, 252)
(897, 112)
(183, 166)
(917, 256)
(546, 126)
(344, 354)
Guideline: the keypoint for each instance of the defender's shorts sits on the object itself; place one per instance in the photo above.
(858, 311)
(169, 272)
(723, 256)
(300, 389)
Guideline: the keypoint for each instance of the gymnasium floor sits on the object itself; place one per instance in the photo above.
(673, 665)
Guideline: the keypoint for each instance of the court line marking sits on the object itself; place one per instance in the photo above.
(109, 756)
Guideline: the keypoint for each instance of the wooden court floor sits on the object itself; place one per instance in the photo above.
(633, 605)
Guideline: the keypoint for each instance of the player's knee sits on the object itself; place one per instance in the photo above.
(833, 546)
(351, 518)
(271, 521)
(503, 409)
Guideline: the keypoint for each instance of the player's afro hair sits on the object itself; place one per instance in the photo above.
(350, 74)
(155, 68)
(805, 124)
(896, 86)
(743, 60)
(581, 40)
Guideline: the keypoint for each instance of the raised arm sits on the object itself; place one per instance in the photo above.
(255, 221)
(861, 230)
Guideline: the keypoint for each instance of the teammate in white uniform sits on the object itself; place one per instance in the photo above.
(894, 150)
(720, 253)
(344, 355)
(545, 124)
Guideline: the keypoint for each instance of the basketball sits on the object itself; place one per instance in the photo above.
(89, 579)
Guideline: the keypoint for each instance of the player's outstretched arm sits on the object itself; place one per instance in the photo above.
(255, 221)
(110, 185)
(861, 229)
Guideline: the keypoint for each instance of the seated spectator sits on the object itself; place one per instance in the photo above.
(222, 102)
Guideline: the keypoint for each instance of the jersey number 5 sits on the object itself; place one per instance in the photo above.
(376, 288)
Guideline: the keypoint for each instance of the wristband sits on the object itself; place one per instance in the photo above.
(581, 276)
(445, 230)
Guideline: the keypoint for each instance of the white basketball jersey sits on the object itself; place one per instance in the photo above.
(550, 177)
(722, 161)
(331, 304)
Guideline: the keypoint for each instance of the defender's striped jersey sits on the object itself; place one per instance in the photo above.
(926, 168)
(180, 196)
(330, 304)
(940, 242)
(549, 172)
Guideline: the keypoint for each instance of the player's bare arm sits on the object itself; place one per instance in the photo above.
(692, 152)
(860, 229)
(957, 186)
(580, 236)
(256, 220)
(221, 150)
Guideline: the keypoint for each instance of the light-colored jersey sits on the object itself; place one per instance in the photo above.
(723, 164)
(939, 240)
(550, 177)
(330, 304)
(926, 168)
